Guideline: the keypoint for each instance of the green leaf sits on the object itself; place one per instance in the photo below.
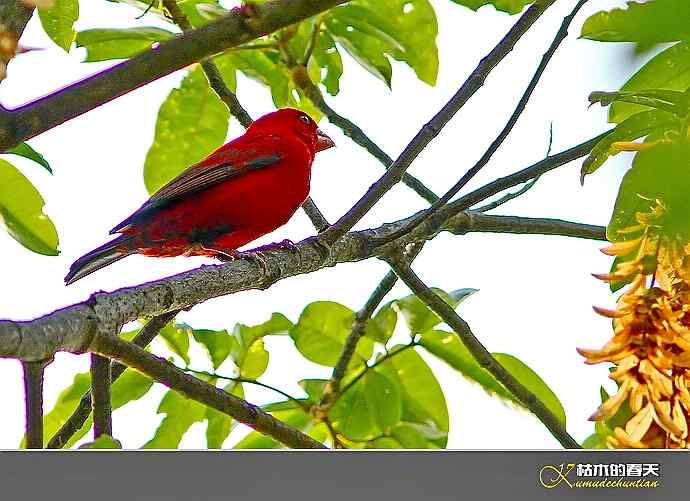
(177, 340)
(247, 347)
(384, 443)
(220, 424)
(102, 44)
(669, 70)
(58, 21)
(447, 347)
(26, 151)
(313, 388)
(631, 128)
(103, 442)
(321, 331)
(658, 173)
(369, 408)
(261, 68)
(180, 413)
(409, 437)
(217, 343)
(595, 441)
(530, 380)
(654, 22)
(326, 58)
(419, 317)
(381, 326)
(509, 6)
(372, 31)
(423, 402)
(192, 122)
(21, 212)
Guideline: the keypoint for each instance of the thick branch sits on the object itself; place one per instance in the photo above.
(72, 328)
(163, 371)
(429, 131)
(480, 353)
(241, 25)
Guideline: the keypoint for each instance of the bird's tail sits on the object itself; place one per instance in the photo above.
(99, 258)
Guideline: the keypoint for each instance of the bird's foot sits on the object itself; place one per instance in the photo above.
(284, 244)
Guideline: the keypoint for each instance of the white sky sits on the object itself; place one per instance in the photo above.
(535, 292)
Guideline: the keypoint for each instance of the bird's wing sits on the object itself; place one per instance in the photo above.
(222, 165)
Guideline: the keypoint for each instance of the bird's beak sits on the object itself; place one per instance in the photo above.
(323, 142)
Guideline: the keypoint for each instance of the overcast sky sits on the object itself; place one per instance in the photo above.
(535, 292)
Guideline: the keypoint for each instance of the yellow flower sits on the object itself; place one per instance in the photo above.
(650, 347)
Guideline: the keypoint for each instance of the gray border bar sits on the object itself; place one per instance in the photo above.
(332, 476)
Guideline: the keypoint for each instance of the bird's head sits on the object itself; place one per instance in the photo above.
(297, 122)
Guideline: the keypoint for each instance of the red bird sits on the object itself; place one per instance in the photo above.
(242, 191)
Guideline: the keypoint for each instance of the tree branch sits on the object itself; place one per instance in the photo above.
(163, 371)
(83, 410)
(480, 353)
(429, 131)
(561, 35)
(101, 378)
(239, 26)
(33, 398)
(72, 328)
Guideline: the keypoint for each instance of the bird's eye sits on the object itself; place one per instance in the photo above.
(305, 119)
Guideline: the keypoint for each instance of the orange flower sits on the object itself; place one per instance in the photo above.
(650, 347)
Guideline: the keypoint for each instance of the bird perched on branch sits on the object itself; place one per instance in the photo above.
(242, 191)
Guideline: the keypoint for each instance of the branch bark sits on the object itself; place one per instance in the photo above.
(429, 131)
(101, 379)
(33, 399)
(241, 25)
(479, 352)
(73, 328)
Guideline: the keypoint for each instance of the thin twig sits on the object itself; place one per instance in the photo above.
(561, 35)
(101, 378)
(83, 410)
(480, 353)
(381, 360)
(508, 197)
(33, 399)
(429, 131)
(164, 372)
(239, 379)
(522, 176)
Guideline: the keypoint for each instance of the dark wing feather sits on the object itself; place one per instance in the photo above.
(193, 180)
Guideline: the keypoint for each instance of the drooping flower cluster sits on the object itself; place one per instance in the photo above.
(650, 348)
